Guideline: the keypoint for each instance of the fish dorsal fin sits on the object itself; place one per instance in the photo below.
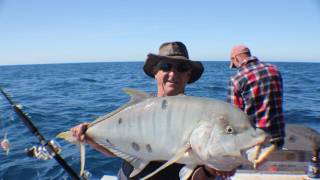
(136, 97)
(174, 159)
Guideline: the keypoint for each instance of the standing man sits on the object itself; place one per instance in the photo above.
(256, 88)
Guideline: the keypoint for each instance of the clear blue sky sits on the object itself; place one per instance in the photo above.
(58, 31)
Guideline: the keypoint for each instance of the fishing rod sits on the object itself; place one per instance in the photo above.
(34, 130)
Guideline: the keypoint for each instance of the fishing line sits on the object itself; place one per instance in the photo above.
(34, 130)
(8, 125)
(2, 126)
(4, 141)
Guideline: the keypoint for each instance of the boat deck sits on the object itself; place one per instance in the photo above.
(268, 176)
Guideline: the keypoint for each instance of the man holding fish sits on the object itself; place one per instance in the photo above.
(172, 70)
(195, 132)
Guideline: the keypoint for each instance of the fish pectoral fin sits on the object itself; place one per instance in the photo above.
(174, 159)
(68, 137)
(138, 165)
(186, 171)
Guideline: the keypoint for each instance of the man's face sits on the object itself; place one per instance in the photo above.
(172, 77)
(234, 62)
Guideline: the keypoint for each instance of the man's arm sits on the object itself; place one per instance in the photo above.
(79, 133)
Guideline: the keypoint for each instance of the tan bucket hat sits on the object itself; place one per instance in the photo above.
(173, 51)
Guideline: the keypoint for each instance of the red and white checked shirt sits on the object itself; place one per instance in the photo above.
(257, 89)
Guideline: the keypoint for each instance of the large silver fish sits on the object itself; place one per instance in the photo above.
(177, 129)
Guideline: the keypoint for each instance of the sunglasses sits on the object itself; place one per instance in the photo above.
(180, 67)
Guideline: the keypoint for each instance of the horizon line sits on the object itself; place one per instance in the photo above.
(128, 61)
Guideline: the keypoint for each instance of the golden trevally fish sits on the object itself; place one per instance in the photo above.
(177, 129)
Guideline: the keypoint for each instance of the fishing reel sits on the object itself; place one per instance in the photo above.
(41, 152)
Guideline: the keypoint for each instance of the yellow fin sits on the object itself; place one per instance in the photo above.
(138, 165)
(68, 137)
(136, 96)
(174, 159)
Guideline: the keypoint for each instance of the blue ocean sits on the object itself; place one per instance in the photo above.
(59, 96)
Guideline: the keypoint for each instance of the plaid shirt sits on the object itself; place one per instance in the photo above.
(257, 90)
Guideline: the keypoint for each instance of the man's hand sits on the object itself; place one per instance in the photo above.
(207, 173)
(79, 131)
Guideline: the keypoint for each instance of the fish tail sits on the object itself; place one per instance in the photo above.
(68, 137)
(64, 135)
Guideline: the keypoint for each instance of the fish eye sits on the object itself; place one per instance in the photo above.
(229, 130)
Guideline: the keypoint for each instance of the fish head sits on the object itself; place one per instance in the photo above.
(224, 141)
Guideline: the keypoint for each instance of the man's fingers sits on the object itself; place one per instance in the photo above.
(83, 127)
(79, 131)
(82, 138)
(265, 155)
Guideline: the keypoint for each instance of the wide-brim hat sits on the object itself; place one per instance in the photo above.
(173, 51)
